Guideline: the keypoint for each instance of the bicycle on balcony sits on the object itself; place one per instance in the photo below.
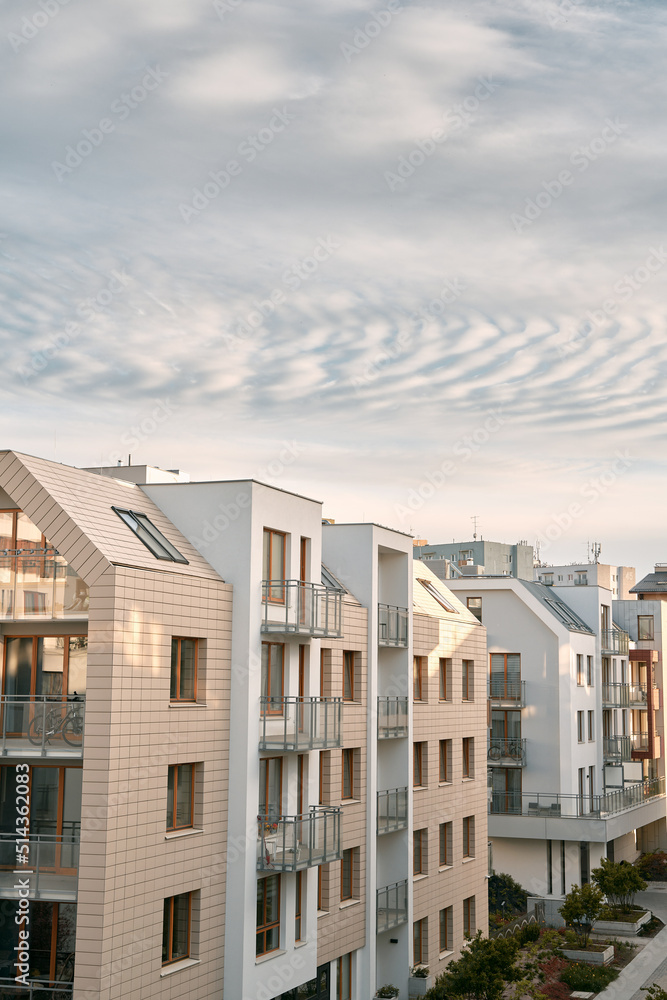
(52, 722)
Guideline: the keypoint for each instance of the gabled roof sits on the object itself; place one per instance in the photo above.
(73, 509)
(557, 607)
(655, 583)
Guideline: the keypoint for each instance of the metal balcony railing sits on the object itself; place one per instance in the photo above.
(300, 608)
(42, 725)
(503, 690)
(512, 751)
(615, 641)
(52, 863)
(38, 583)
(392, 810)
(392, 625)
(36, 989)
(300, 723)
(640, 741)
(392, 906)
(392, 718)
(623, 695)
(617, 748)
(291, 843)
(556, 806)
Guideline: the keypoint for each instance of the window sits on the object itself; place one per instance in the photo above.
(418, 677)
(446, 928)
(270, 787)
(468, 836)
(273, 677)
(580, 727)
(589, 671)
(184, 657)
(568, 616)
(445, 844)
(298, 907)
(348, 788)
(176, 928)
(268, 915)
(475, 607)
(445, 760)
(445, 672)
(320, 888)
(419, 851)
(431, 589)
(591, 727)
(505, 680)
(467, 677)
(180, 796)
(347, 874)
(645, 627)
(147, 533)
(420, 941)
(580, 579)
(550, 871)
(348, 675)
(469, 916)
(344, 970)
(54, 813)
(468, 757)
(418, 764)
(584, 862)
(42, 665)
(580, 669)
(273, 565)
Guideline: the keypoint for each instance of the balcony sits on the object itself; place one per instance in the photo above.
(41, 726)
(392, 906)
(392, 810)
(300, 724)
(392, 626)
(616, 749)
(292, 843)
(392, 718)
(38, 989)
(504, 692)
(39, 584)
(623, 695)
(614, 641)
(52, 867)
(576, 806)
(293, 607)
(507, 753)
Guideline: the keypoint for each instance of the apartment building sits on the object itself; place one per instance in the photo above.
(449, 824)
(619, 580)
(477, 557)
(565, 787)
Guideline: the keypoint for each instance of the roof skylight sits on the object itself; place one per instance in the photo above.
(147, 533)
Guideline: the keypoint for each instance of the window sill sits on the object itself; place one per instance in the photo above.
(445, 868)
(419, 788)
(187, 704)
(350, 802)
(348, 902)
(419, 876)
(185, 963)
(300, 944)
(445, 954)
(322, 913)
(177, 834)
(260, 959)
(467, 777)
(464, 861)
(443, 784)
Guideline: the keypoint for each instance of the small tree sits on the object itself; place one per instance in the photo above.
(503, 889)
(655, 992)
(581, 909)
(481, 973)
(619, 881)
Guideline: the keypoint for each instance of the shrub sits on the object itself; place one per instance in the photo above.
(531, 932)
(503, 889)
(388, 991)
(653, 866)
(655, 992)
(581, 909)
(619, 881)
(588, 978)
(482, 971)
(419, 971)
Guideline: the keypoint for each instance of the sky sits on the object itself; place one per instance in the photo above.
(404, 257)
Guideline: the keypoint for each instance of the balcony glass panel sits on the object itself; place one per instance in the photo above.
(617, 748)
(392, 718)
(303, 608)
(614, 640)
(52, 864)
(507, 690)
(40, 585)
(42, 726)
(392, 906)
(507, 752)
(392, 625)
(392, 811)
(291, 843)
(590, 806)
(300, 723)
(623, 695)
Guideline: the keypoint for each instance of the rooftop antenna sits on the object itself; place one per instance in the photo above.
(474, 519)
(596, 548)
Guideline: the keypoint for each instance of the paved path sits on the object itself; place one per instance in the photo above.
(650, 965)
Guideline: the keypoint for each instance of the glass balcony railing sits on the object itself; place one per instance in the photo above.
(556, 806)
(43, 725)
(392, 810)
(39, 584)
(300, 608)
(617, 748)
(291, 843)
(392, 718)
(614, 641)
(392, 625)
(52, 864)
(510, 752)
(504, 690)
(623, 695)
(392, 906)
(37, 989)
(300, 723)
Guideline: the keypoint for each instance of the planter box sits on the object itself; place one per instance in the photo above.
(628, 928)
(417, 987)
(605, 957)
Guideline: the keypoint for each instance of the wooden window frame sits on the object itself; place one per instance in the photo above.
(446, 916)
(468, 836)
(468, 757)
(640, 628)
(173, 768)
(420, 934)
(267, 926)
(469, 916)
(349, 667)
(420, 851)
(580, 669)
(344, 980)
(445, 761)
(268, 568)
(268, 709)
(445, 678)
(265, 761)
(445, 834)
(348, 860)
(348, 761)
(169, 909)
(418, 678)
(418, 764)
(179, 639)
(467, 680)
(298, 907)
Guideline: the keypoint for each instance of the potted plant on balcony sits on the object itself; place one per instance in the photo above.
(388, 991)
(420, 981)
